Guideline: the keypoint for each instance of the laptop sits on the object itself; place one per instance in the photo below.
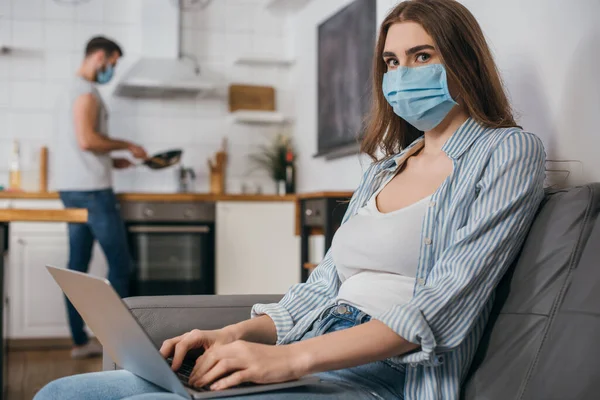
(129, 345)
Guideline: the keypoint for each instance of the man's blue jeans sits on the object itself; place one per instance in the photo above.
(105, 225)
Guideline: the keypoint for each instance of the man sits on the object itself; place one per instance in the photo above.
(83, 178)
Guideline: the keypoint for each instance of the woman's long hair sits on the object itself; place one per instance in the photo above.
(469, 63)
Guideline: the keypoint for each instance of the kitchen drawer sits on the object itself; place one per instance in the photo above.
(315, 212)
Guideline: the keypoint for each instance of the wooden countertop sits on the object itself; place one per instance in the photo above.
(24, 215)
(185, 197)
(8, 195)
(182, 197)
(315, 195)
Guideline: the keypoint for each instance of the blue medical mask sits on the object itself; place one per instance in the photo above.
(419, 95)
(105, 75)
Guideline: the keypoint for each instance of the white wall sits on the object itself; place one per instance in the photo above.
(548, 52)
(549, 56)
(30, 81)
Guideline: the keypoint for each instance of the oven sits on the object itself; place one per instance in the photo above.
(173, 247)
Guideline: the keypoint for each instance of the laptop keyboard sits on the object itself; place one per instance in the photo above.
(184, 372)
(186, 369)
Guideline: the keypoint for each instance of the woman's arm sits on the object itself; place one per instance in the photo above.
(251, 362)
(258, 330)
(350, 347)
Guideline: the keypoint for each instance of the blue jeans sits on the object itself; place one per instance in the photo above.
(377, 380)
(105, 225)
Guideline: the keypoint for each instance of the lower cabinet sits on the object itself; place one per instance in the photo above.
(257, 250)
(36, 304)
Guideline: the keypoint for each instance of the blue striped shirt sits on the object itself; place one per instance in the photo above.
(475, 225)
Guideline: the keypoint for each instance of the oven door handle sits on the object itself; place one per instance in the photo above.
(169, 229)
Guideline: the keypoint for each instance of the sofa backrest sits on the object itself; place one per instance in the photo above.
(540, 342)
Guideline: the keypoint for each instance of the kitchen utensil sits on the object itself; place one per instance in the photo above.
(163, 160)
(249, 97)
(44, 169)
(217, 170)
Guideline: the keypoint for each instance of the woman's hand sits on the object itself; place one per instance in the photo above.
(180, 345)
(238, 362)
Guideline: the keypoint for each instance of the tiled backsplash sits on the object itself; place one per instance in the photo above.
(49, 39)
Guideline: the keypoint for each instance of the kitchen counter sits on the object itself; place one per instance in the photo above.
(187, 197)
(25, 215)
(184, 197)
(6, 194)
(319, 195)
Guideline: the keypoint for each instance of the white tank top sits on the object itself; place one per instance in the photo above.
(73, 168)
(376, 255)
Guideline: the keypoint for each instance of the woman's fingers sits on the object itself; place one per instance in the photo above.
(237, 378)
(191, 340)
(220, 369)
(168, 345)
(204, 363)
(181, 350)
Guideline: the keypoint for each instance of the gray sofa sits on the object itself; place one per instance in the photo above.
(541, 340)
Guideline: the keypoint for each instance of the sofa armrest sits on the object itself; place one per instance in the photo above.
(164, 317)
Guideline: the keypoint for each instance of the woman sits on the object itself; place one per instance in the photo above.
(397, 307)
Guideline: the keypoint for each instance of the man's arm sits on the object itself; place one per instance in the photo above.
(85, 114)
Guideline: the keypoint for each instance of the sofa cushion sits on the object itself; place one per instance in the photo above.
(547, 308)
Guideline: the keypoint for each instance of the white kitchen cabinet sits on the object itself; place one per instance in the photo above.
(36, 303)
(257, 250)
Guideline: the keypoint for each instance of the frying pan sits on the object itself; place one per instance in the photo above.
(163, 160)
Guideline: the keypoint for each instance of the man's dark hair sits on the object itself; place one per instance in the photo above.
(104, 44)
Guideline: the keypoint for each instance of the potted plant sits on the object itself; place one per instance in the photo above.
(273, 158)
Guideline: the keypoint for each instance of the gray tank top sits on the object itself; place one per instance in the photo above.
(72, 168)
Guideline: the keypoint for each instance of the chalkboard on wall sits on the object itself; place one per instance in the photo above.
(345, 52)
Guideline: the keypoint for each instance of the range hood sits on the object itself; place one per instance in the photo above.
(161, 71)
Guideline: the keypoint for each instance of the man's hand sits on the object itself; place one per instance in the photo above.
(180, 345)
(121, 163)
(231, 364)
(137, 151)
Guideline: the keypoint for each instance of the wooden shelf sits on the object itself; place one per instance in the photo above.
(286, 6)
(264, 61)
(6, 50)
(259, 117)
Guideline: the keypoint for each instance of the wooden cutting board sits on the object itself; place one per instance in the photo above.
(249, 97)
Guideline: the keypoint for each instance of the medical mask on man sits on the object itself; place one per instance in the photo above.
(104, 75)
(419, 95)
